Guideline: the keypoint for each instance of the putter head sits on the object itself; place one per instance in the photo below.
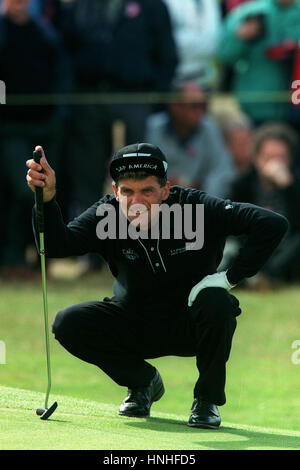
(48, 411)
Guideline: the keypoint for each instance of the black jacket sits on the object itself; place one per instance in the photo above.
(159, 274)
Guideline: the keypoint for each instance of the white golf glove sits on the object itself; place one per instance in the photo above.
(212, 280)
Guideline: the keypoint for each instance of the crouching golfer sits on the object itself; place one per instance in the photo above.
(168, 298)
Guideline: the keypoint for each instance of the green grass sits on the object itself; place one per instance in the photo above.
(82, 424)
(262, 382)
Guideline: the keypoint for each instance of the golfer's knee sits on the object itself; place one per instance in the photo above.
(64, 324)
(217, 306)
(58, 325)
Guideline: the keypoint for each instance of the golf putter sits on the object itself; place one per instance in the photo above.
(45, 412)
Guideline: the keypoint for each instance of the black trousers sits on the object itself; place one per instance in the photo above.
(118, 341)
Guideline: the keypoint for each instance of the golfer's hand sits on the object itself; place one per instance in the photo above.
(213, 280)
(41, 175)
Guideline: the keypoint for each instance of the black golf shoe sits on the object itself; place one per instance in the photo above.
(204, 415)
(139, 400)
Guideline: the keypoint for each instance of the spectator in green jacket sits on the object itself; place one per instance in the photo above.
(258, 41)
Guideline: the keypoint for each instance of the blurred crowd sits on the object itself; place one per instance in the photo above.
(211, 82)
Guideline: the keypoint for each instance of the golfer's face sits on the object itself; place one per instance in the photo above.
(140, 199)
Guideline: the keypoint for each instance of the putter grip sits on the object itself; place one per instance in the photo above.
(37, 154)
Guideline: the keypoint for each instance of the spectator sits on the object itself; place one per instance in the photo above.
(117, 46)
(189, 134)
(30, 59)
(196, 25)
(238, 134)
(273, 183)
(258, 40)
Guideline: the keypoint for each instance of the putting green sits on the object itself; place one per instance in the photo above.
(84, 425)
